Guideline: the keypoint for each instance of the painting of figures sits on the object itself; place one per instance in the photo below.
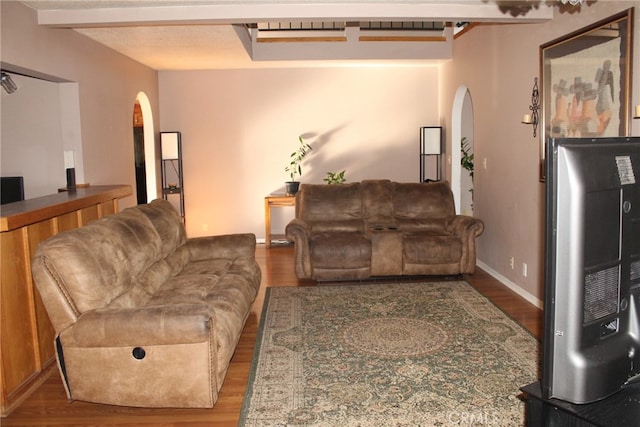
(585, 82)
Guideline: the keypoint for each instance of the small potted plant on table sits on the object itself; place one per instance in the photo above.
(335, 177)
(294, 168)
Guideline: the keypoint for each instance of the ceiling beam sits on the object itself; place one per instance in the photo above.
(221, 12)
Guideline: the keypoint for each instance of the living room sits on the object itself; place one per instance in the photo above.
(240, 125)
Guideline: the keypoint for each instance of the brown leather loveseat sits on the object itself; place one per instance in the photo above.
(143, 315)
(380, 228)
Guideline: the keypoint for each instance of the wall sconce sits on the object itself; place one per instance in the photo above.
(637, 115)
(7, 83)
(532, 119)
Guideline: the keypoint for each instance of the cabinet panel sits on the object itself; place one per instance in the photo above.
(89, 214)
(67, 221)
(107, 208)
(18, 356)
(46, 334)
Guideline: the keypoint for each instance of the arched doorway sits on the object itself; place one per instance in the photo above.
(461, 128)
(145, 150)
(138, 154)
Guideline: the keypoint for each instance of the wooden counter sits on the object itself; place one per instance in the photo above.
(26, 335)
(27, 212)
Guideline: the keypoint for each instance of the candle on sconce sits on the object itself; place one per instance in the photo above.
(526, 118)
(68, 159)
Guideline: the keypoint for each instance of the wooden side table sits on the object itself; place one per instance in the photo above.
(274, 201)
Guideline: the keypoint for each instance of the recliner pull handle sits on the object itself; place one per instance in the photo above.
(139, 353)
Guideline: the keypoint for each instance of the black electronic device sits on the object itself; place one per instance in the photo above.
(591, 343)
(11, 189)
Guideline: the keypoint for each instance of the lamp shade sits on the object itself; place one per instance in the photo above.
(431, 137)
(169, 143)
(69, 161)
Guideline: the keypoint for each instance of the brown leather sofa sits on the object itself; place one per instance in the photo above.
(143, 315)
(380, 228)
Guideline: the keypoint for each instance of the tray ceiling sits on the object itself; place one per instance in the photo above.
(200, 34)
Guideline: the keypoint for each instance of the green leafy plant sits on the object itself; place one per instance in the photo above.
(335, 177)
(467, 157)
(294, 168)
(467, 161)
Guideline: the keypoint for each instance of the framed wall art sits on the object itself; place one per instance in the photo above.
(586, 82)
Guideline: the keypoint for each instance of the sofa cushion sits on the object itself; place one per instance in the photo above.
(347, 225)
(224, 288)
(97, 263)
(377, 201)
(167, 222)
(431, 247)
(340, 250)
(422, 200)
(318, 202)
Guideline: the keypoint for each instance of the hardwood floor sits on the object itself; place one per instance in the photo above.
(48, 406)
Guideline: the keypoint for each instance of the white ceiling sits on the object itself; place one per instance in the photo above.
(197, 34)
(190, 47)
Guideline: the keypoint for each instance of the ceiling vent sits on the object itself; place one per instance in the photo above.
(337, 31)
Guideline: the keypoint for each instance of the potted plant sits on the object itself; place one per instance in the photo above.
(467, 160)
(294, 168)
(467, 156)
(335, 177)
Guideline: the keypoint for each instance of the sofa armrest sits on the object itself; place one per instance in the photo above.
(467, 228)
(464, 226)
(139, 326)
(227, 246)
(299, 231)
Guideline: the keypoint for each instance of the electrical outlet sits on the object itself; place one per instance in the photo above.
(205, 227)
(511, 262)
(524, 269)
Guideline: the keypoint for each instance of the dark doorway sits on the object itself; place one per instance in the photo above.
(138, 148)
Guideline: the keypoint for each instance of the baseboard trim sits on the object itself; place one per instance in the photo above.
(509, 284)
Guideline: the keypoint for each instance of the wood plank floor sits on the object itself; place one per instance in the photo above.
(48, 406)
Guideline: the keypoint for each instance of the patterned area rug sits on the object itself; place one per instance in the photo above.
(412, 354)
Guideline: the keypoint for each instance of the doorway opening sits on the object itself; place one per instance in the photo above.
(144, 150)
(138, 150)
(462, 133)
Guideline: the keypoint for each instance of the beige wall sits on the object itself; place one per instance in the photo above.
(498, 64)
(240, 126)
(33, 152)
(108, 85)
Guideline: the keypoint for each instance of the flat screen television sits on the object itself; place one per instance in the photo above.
(11, 189)
(591, 342)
